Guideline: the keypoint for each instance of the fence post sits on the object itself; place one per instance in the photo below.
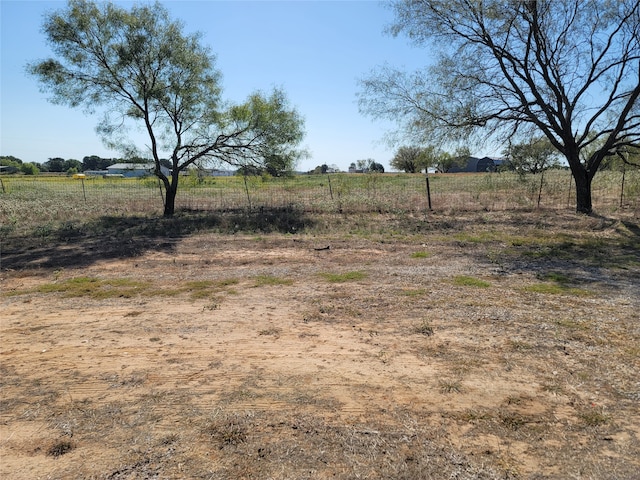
(540, 189)
(570, 183)
(84, 193)
(330, 189)
(428, 191)
(246, 188)
(624, 171)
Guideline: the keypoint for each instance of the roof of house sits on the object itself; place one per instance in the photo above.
(132, 166)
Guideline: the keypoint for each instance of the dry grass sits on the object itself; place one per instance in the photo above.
(509, 351)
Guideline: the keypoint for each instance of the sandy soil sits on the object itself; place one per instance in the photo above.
(266, 368)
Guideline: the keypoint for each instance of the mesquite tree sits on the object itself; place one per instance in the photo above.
(144, 70)
(508, 70)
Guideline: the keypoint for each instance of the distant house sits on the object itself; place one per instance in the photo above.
(207, 172)
(135, 169)
(474, 164)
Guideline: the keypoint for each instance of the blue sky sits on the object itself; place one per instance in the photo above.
(315, 50)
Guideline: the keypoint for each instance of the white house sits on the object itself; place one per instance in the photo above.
(135, 169)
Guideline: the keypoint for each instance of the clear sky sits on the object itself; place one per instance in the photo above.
(314, 50)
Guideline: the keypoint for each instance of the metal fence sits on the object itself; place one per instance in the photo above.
(345, 193)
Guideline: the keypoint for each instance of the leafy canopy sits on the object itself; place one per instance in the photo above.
(147, 74)
(566, 69)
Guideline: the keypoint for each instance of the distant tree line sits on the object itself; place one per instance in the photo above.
(530, 157)
(69, 166)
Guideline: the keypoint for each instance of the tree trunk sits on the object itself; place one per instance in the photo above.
(170, 202)
(583, 191)
(582, 178)
(172, 190)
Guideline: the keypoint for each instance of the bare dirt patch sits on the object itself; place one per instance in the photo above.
(271, 356)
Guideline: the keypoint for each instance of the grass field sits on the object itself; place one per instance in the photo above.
(47, 200)
(290, 343)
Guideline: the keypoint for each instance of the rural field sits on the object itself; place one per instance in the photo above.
(282, 343)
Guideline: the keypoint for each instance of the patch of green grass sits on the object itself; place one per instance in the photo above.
(200, 289)
(344, 277)
(559, 278)
(420, 254)
(268, 280)
(556, 289)
(556, 283)
(414, 292)
(466, 281)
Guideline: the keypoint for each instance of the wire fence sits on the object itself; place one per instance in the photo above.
(344, 193)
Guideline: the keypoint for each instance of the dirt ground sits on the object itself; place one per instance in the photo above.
(483, 347)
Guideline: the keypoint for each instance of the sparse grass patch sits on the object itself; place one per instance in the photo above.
(556, 283)
(520, 345)
(478, 237)
(268, 280)
(556, 277)
(344, 277)
(573, 324)
(420, 254)
(271, 331)
(424, 329)
(450, 386)
(204, 289)
(556, 289)
(97, 288)
(552, 388)
(418, 292)
(472, 415)
(467, 281)
(228, 429)
(59, 448)
(512, 421)
(593, 417)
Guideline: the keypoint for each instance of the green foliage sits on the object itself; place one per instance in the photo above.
(514, 70)
(369, 165)
(141, 65)
(29, 169)
(409, 159)
(95, 162)
(533, 156)
(14, 164)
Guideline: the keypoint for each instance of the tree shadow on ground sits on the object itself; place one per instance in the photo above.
(608, 254)
(76, 244)
(545, 243)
